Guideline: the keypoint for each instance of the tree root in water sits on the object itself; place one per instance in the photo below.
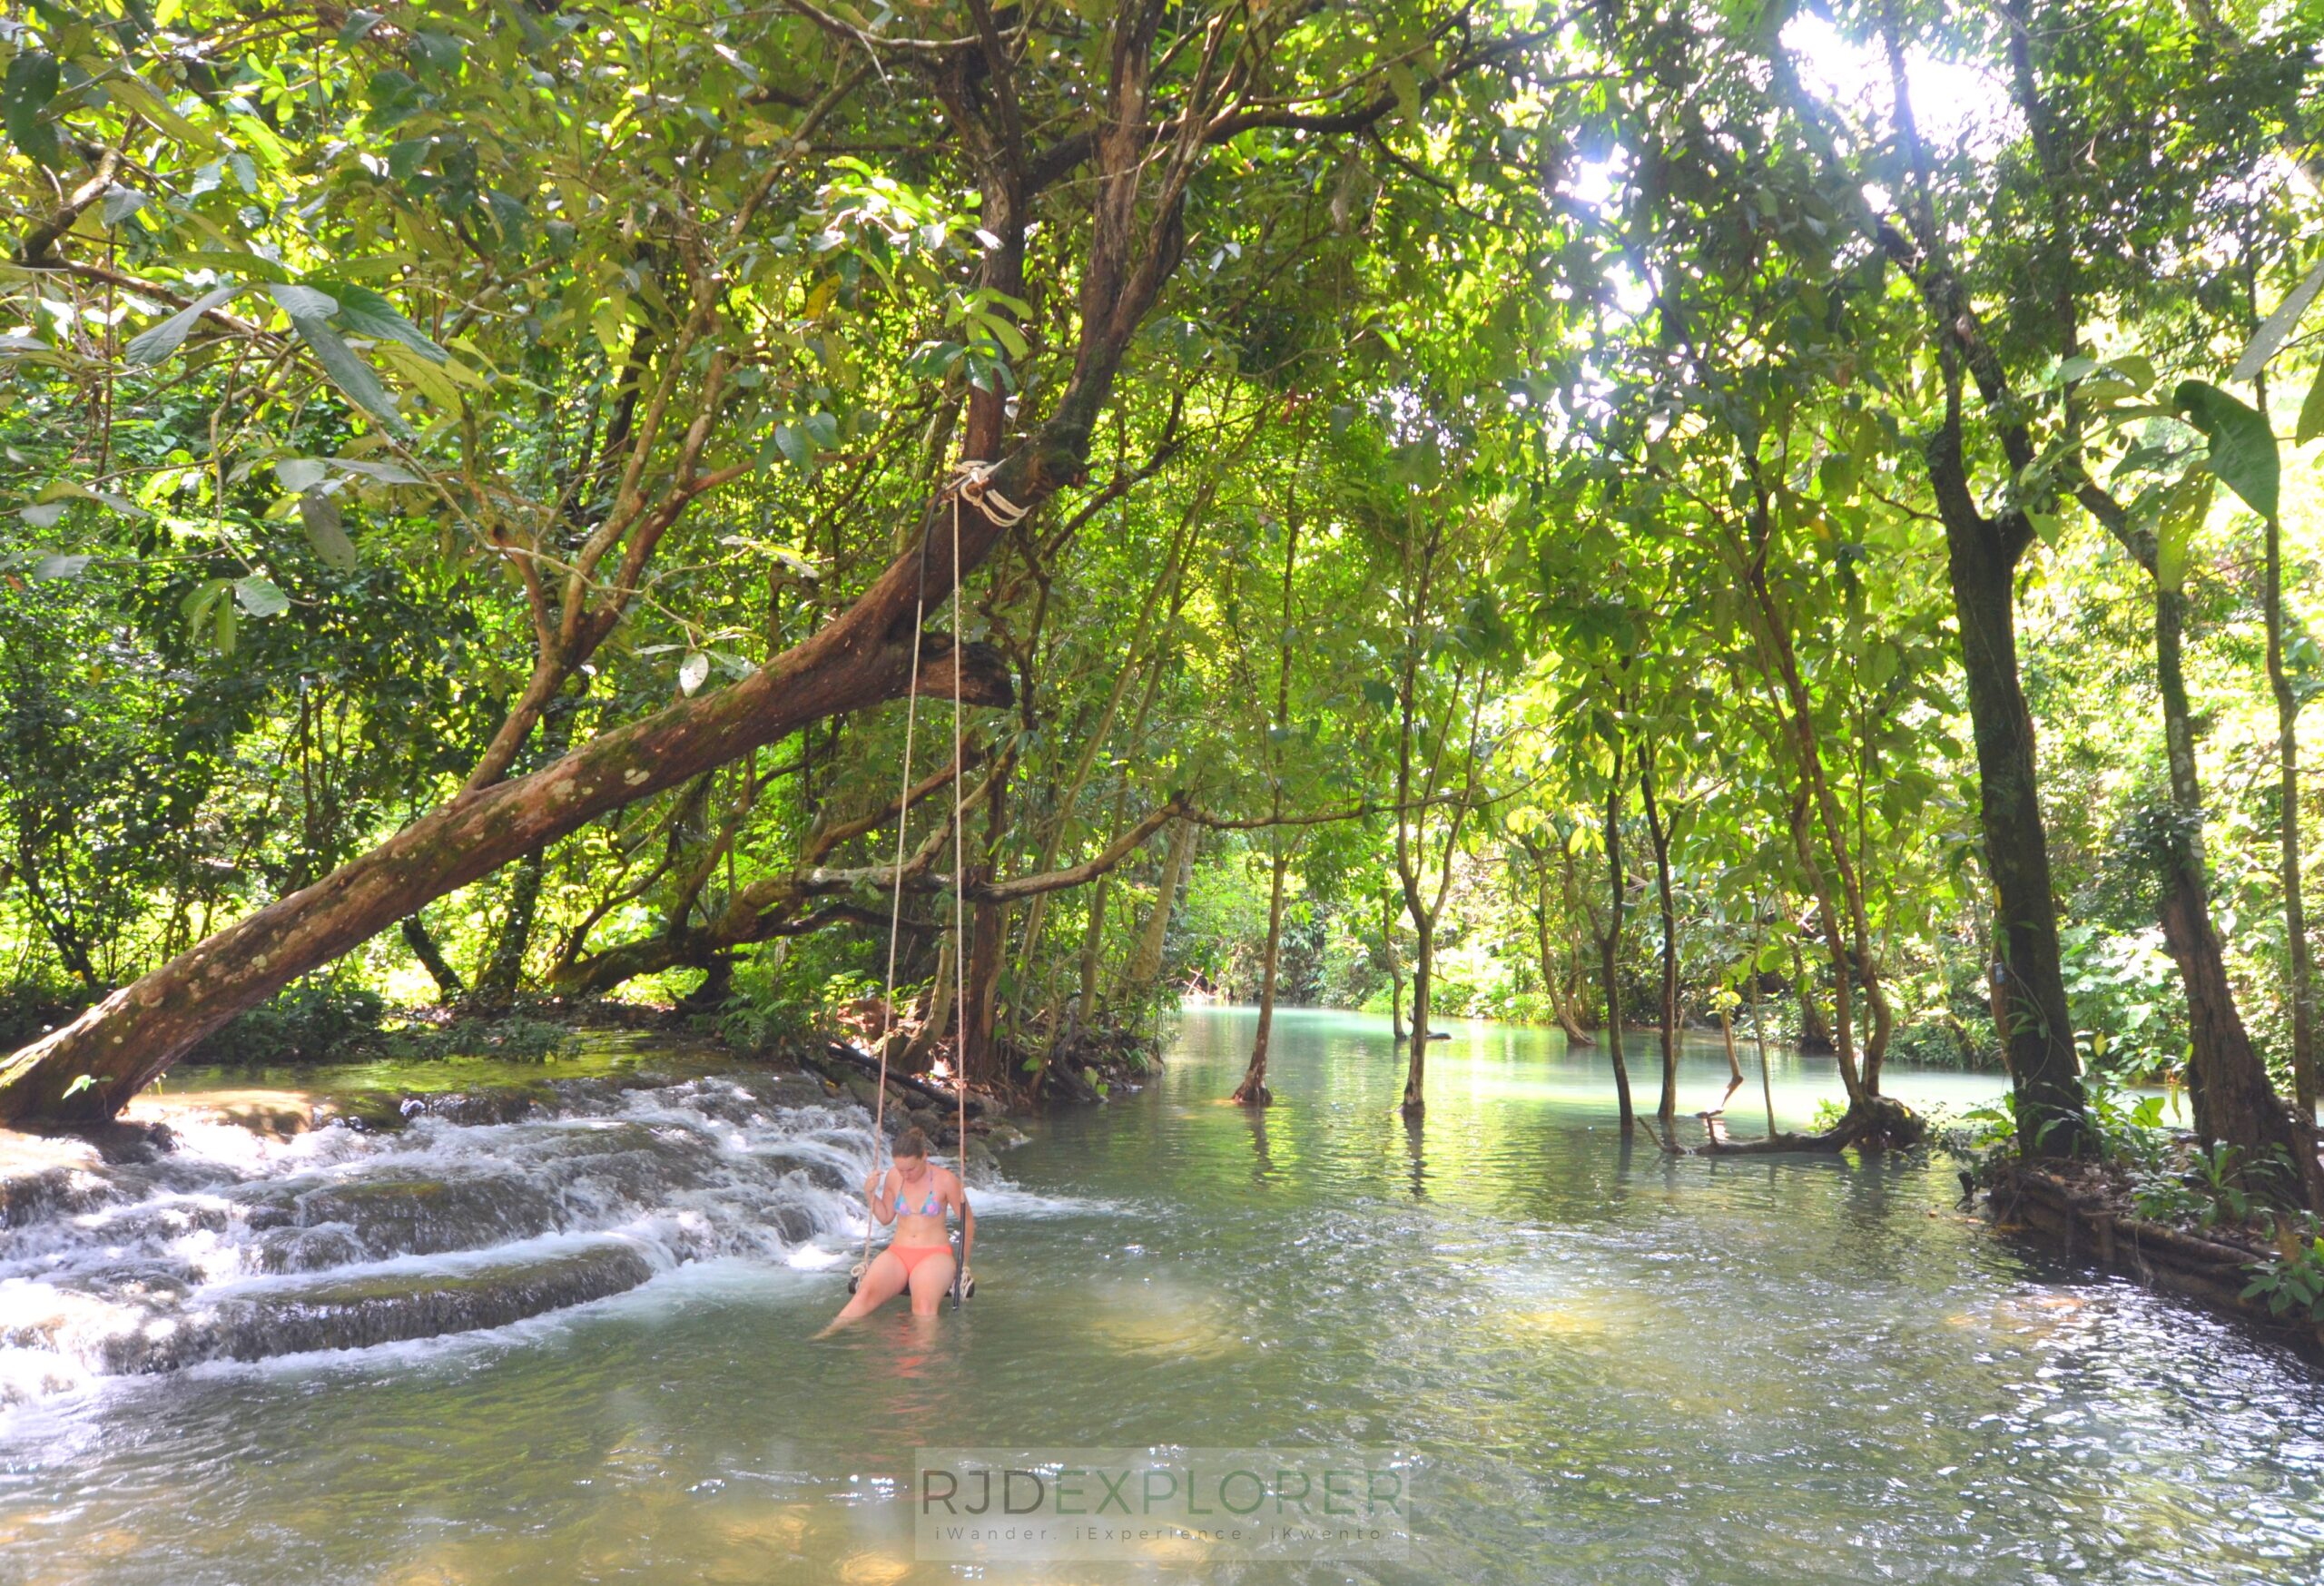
(1877, 1124)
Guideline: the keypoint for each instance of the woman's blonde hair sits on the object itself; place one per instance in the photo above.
(913, 1142)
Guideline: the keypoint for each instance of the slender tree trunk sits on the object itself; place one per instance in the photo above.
(1253, 1091)
(1610, 947)
(1726, 1034)
(1659, 837)
(1561, 1005)
(2302, 967)
(1424, 961)
(449, 988)
(1759, 1039)
(1816, 792)
(1093, 936)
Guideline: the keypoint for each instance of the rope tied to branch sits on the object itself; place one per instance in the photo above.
(972, 483)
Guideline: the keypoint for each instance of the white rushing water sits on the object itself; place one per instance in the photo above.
(238, 1246)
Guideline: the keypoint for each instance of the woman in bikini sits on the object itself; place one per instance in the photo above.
(916, 1195)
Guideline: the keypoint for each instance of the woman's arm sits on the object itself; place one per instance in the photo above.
(968, 1222)
(875, 1193)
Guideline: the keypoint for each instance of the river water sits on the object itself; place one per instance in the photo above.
(1610, 1367)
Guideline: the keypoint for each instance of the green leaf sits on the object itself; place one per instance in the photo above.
(302, 303)
(319, 514)
(2184, 507)
(57, 564)
(45, 516)
(386, 473)
(358, 23)
(693, 672)
(2270, 334)
(258, 595)
(298, 475)
(2243, 448)
(440, 51)
(25, 92)
(364, 312)
(121, 203)
(156, 344)
(793, 445)
(823, 429)
(349, 373)
(2311, 412)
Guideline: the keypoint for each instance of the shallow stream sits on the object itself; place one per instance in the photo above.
(586, 1348)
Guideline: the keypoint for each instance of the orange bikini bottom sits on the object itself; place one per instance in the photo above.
(911, 1256)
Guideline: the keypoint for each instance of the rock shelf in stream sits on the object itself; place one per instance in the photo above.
(234, 1239)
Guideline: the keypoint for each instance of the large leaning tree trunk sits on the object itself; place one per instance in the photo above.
(1127, 139)
(1136, 181)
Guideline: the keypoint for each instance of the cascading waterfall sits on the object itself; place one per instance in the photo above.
(237, 1247)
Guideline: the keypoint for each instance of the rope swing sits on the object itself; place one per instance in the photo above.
(973, 482)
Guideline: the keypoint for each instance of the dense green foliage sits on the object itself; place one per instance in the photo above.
(1542, 440)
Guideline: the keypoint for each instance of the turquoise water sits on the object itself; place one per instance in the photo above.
(1612, 1367)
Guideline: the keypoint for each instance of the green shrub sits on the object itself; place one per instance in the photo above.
(308, 1022)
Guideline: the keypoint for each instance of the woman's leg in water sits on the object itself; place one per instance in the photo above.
(883, 1280)
(930, 1279)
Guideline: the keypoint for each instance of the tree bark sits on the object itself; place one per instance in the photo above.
(449, 987)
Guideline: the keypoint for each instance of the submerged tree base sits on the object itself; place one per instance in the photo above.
(1879, 1124)
(2084, 1213)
